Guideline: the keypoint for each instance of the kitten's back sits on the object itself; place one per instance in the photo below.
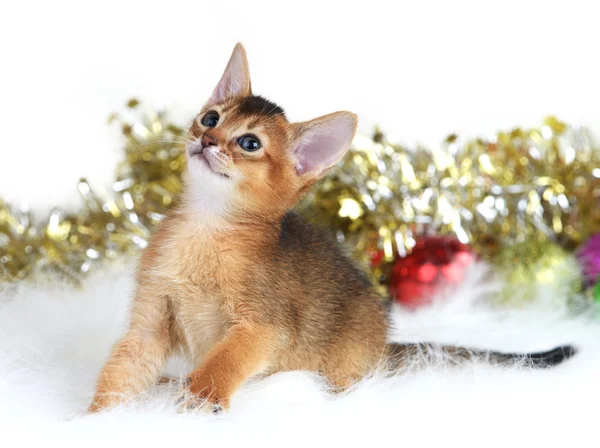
(319, 258)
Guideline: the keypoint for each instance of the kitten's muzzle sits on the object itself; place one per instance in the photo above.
(208, 140)
(194, 147)
(197, 147)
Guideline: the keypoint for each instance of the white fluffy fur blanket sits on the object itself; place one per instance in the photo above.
(54, 339)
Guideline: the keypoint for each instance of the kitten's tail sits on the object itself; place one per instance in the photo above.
(405, 355)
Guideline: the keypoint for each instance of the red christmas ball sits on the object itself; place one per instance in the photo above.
(434, 261)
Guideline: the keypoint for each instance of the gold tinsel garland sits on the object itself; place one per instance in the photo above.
(524, 186)
(537, 185)
(148, 181)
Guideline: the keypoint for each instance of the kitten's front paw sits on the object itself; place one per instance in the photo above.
(199, 397)
(94, 408)
(193, 403)
(99, 403)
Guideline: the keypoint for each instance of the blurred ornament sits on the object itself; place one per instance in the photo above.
(435, 261)
(589, 256)
(376, 258)
(540, 271)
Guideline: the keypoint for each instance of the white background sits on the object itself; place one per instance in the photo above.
(420, 69)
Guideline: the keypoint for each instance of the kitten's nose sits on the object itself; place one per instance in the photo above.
(207, 141)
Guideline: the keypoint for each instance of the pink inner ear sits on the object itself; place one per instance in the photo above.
(323, 145)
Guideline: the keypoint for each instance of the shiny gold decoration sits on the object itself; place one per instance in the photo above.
(147, 183)
(538, 184)
(19, 243)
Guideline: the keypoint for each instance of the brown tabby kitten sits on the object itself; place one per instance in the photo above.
(237, 281)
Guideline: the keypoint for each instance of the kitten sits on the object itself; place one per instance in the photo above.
(237, 281)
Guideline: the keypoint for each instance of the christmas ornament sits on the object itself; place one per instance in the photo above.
(589, 256)
(541, 271)
(435, 261)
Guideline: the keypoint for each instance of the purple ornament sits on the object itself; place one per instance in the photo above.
(589, 257)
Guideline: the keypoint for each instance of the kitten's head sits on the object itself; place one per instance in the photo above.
(246, 159)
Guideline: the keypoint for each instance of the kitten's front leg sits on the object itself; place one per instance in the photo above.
(138, 357)
(245, 349)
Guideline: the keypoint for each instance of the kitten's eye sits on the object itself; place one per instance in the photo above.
(249, 143)
(211, 119)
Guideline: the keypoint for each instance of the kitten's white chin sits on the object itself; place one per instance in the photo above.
(206, 192)
(199, 162)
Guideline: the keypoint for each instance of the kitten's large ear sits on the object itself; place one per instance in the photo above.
(235, 81)
(322, 142)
